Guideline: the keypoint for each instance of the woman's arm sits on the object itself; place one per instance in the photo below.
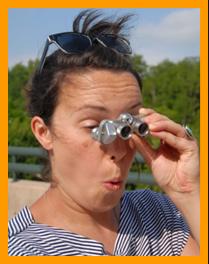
(191, 248)
(175, 167)
(189, 206)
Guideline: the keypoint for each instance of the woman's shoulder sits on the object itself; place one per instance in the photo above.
(19, 234)
(145, 196)
(28, 238)
(155, 218)
(20, 222)
(149, 204)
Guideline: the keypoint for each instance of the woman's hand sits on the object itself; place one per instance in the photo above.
(175, 163)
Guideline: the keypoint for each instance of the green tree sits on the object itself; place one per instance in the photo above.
(173, 89)
(19, 123)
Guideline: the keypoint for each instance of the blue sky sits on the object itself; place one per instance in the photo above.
(158, 33)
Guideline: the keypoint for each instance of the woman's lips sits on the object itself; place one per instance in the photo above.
(113, 185)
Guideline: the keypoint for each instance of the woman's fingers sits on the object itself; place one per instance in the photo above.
(149, 115)
(164, 129)
(158, 122)
(178, 143)
(146, 111)
(168, 126)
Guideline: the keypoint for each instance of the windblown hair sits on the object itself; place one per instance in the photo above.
(91, 26)
(43, 89)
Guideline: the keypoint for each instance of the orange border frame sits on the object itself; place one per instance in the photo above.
(203, 5)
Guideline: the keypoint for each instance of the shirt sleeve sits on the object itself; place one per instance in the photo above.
(20, 247)
(165, 226)
(179, 230)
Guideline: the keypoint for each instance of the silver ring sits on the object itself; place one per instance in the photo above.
(188, 132)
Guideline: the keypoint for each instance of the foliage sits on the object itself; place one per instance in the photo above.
(19, 122)
(173, 89)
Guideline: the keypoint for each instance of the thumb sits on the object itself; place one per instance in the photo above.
(144, 148)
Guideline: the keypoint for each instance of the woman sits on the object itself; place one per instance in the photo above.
(86, 211)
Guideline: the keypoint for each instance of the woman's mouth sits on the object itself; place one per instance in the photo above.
(113, 185)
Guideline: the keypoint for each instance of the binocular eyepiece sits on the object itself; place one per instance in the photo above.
(124, 126)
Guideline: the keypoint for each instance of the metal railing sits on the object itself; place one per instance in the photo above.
(16, 167)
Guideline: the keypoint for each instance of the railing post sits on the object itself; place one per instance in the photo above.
(14, 174)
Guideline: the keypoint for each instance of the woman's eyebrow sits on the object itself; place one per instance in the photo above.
(138, 104)
(92, 107)
(101, 108)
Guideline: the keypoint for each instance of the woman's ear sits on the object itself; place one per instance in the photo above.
(41, 132)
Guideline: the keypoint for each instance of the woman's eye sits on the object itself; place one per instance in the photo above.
(91, 127)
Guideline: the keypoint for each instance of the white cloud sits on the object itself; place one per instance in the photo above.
(176, 36)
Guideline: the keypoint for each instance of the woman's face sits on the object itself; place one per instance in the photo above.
(91, 174)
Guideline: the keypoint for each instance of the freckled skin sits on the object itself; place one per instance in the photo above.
(85, 145)
(79, 163)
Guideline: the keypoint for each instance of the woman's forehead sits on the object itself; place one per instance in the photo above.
(101, 87)
(98, 97)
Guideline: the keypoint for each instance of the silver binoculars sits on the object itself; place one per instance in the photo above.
(124, 126)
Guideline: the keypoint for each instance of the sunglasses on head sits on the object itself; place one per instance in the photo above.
(72, 42)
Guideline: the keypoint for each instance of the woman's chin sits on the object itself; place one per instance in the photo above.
(108, 202)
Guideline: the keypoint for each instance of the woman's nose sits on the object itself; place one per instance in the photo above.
(117, 149)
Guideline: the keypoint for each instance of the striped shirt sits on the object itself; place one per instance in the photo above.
(150, 225)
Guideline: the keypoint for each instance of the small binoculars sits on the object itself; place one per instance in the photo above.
(124, 126)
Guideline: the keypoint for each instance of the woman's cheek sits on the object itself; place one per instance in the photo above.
(86, 139)
(86, 144)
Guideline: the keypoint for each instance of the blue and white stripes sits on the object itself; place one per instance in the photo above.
(150, 225)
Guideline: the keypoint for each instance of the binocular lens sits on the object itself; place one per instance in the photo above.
(108, 130)
(125, 131)
(143, 129)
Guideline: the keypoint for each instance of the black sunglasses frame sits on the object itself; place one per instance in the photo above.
(52, 39)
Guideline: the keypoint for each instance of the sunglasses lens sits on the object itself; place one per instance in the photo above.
(73, 43)
(116, 43)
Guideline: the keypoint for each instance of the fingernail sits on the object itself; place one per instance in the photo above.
(142, 110)
(142, 113)
(151, 126)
